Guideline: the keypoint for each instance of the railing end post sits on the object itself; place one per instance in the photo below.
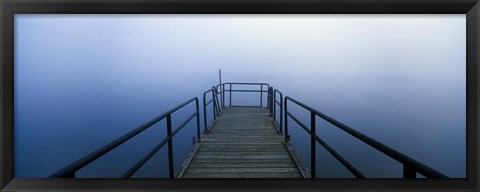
(409, 172)
(170, 145)
(70, 174)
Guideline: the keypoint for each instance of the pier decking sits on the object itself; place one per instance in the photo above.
(243, 143)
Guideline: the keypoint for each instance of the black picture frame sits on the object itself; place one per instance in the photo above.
(10, 7)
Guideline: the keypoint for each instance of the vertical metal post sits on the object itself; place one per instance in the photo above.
(287, 137)
(272, 102)
(223, 95)
(312, 142)
(409, 172)
(270, 92)
(274, 96)
(220, 78)
(217, 103)
(214, 104)
(261, 95)
(70, 174)
(204, 115)
(270, 107)
(198, 119)
(230, 94)
(170, 145)
(281, 112)
(269, 100)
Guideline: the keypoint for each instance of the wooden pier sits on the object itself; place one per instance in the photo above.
(246, 142)
(243, 143)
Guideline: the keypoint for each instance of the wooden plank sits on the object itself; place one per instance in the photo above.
(246, 138)
(223, 143)
(237, 149)
(303, 170)
(242, 170)
(213, 145)
(243, 143)
(240, 143)
(239, 135)
(241, 132)
(216, 160)
(252, 141)
(187, 160)
(246, 154)
(246, 131)
(242, 175)
(241, 156)
(230, 149)
(229, 164)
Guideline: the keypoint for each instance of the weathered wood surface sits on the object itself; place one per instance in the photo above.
(243, 143)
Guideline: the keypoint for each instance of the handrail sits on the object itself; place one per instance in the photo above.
(218, 106)
(410, 166)
(219, 89)
(215, 108)
(275, 103)
(69, 171)
(270, 100)
(230, 90)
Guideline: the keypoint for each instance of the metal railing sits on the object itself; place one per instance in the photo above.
(410, 166)
(216, 109)
(70, 170)
(220, 88)
(274, 103)
(270, 100)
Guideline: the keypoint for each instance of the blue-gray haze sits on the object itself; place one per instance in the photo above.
(83, 80)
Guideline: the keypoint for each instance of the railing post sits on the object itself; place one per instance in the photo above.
(313, 157)
(69, 175)
(219, 103)
(409, 172)
(287, 137)
(261, 95)
(281, 112)
(198, 119)
(204, 115)
(230, 94)
(214, 105)
(223, 95)
(274, 106)
(270, 100)
(170, 146)
(215, 99)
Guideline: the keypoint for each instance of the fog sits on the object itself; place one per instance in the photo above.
(82, 81)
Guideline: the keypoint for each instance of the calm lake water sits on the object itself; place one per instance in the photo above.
(82, 81)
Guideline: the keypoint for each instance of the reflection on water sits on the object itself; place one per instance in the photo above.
(83, 81)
